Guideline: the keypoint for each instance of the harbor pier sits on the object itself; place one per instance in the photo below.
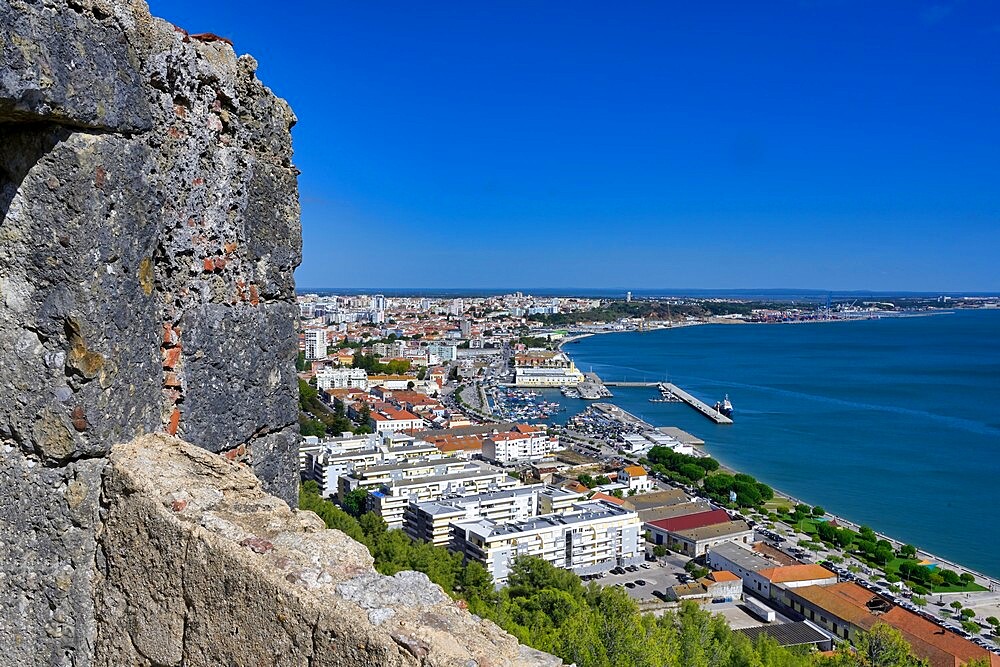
(698, 405)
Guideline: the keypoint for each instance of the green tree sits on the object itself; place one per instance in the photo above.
(692, 472)
(818, 511)
(971, 627)
(355, 503)
(908, 551)
(884, 646)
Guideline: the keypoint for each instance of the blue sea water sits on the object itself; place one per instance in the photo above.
(893, 422)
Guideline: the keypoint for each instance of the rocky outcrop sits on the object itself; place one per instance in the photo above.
(198, 566)
(148, 236)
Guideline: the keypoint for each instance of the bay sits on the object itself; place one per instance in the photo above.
(892, 423)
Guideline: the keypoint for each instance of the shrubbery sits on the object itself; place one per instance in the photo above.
(552, 610)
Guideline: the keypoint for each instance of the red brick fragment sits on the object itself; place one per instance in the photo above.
(220, 263)
(235, 453)
(230, 248)
(171, 380)
(100, 176)
(208, 265)
(171, 334)
(175, 422)
(254, 298)
(171, 357)
(79, 417)
(198, 181)
(178, 505)
(258, 545)
(174, 133)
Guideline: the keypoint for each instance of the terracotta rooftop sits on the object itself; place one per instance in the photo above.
(690, 521)
(792, 573)
(600, 495)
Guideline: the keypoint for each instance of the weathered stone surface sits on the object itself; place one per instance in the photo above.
(47, 519)
(200, 567)
(131, 158)
(69, 66)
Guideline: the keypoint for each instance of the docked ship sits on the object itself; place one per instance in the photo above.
(724, 407)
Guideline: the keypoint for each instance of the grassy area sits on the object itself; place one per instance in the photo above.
(964, 588)
(892, 567)
(806, 526)
(775, 503)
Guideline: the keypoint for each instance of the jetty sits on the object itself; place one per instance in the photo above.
(700, 406)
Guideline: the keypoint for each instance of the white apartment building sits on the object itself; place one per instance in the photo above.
(324, 462)
(594, 536)
(390, 500)
(315, 343)
(522, 443)
(443, 351)
(341, 378)
(387, 418)
(393, 473)
(431, 521)
(527, 376)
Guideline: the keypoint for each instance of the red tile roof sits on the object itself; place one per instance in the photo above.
(689, 521)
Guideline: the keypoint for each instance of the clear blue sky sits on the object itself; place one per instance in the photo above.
(813, 143)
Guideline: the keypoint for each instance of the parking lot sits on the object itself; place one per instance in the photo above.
(655, 580)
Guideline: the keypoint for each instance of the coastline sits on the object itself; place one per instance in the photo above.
(991, 582)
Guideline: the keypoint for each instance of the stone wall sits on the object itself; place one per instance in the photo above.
(148, 235)
(198, 566)
(149, 229)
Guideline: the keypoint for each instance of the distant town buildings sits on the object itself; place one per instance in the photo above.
(522, 443)
(545, 368)
(315, 343)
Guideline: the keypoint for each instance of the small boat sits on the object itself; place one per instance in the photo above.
(724, 407)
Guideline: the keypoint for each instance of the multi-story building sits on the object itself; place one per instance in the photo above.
(592, 537)
(324, 462)
(524, 442)
(395, 349)
(386, 418)
(543, 368)
(557, 500)
(443, 351)
(315, 343)
(393, 473)
(341, 378)
(390, 500)
(431, 521)
(637, 479)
